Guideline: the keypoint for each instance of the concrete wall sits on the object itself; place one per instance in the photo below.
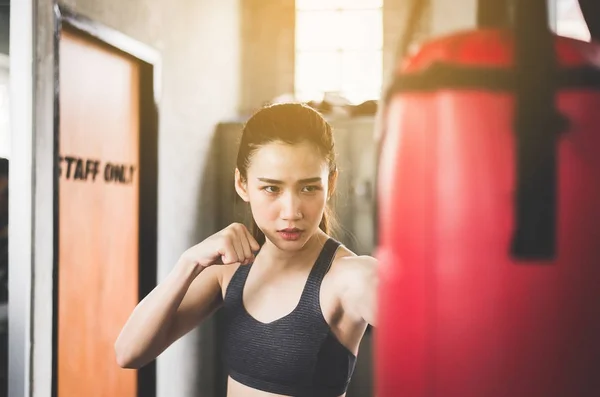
(268, 31)
(450, 16)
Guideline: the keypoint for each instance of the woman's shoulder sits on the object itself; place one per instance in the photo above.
(226, 273)
(347, 266)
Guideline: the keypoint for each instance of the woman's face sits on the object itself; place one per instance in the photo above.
(287, 188)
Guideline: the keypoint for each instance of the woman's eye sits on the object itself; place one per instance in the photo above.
(271, 189)
(310, 189)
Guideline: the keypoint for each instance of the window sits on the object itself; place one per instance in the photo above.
(569, 20)
(339, 49)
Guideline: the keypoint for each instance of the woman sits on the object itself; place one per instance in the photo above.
(296, 302)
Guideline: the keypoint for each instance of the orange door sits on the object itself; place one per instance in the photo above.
(98, 215)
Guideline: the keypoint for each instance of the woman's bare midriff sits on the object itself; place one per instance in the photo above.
(236, 389)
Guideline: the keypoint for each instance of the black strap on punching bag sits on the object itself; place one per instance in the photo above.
(591, 13)
(537, 127)
(493, 13)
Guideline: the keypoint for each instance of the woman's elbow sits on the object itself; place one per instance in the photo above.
(124, 357)
(123, 361)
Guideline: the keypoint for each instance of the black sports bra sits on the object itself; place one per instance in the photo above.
(296, 355)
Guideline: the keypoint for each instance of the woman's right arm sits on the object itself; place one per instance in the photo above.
(189, 294)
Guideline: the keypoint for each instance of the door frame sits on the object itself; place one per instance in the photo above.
(149, 61)
(5, 69)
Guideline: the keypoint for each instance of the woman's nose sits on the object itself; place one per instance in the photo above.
(290, 207)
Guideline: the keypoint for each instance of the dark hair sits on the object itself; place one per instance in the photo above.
(290, 123)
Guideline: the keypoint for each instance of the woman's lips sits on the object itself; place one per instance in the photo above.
(290, 234)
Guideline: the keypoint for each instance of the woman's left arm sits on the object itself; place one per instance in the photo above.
(359, 287)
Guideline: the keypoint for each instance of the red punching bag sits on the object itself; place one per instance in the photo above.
(489, 220)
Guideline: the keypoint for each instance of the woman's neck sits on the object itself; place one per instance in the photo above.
(270, 254)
